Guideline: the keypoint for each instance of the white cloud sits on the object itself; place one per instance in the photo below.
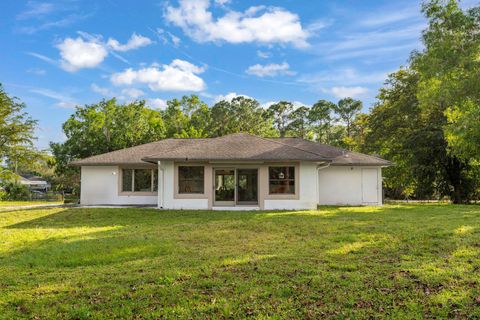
(63, 101)
(42, 57)
(157, 103)
(133, 92)
(179, 75)
(88, 51)
(296, 104)
(229, 97)
(135, 41)
(79, 53)
(222, 2)
(175, 40)
(270, 70)
(36, 10)
(344, 77)
(37, 71)
(352, 92)
(266, 25)
(101, 90)
(263, 54)
(393, 16)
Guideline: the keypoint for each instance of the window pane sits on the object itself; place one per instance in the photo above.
(126, 180)
(143, 180)
(155, 180)
(190, 179)
(282, 172)
(286, 186)
(281, 180)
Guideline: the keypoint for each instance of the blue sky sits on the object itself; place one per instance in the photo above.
(58, 54)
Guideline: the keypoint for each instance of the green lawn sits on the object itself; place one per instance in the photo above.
(404, 261)
(26, 203)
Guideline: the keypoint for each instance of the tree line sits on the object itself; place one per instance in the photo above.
(425, 119)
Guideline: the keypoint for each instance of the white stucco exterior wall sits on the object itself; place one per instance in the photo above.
(99, 186)
(307, 193)
(337, 185)
(342, 185)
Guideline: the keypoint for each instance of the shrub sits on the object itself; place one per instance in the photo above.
(16, 191)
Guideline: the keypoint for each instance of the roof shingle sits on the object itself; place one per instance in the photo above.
(239, 146)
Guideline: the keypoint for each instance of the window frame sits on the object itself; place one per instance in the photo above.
(154, 171)
(177, 184)
(282, 196)
(208, 177)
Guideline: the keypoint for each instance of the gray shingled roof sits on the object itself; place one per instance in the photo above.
(239, 146)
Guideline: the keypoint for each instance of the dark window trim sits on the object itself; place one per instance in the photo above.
(152, 181)
(202, 180)
(294, 179)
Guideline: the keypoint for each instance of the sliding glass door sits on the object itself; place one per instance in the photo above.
(247, 186)
(225, 187)
(235, 187)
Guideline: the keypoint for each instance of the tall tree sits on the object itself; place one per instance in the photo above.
(412, 137)
(320, 118)
(280, 113)
(347, 109)
(241, 114)
(16, 129)
(106, 126)
(188, 117)
(449, 69)
(299, 126)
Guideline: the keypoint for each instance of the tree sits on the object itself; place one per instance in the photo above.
(280, 114)
(320, 119)
(347, 109)
(299, 126)
(104, 127)
(188, 117)
(449, 68)
(16, 133)
(402, 131)
(241, 114)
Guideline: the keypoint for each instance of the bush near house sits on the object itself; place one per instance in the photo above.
(391, 262)
(15, 191)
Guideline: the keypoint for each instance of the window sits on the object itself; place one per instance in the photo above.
(127, 183)
(139, 180)
(281, 180)
(190, 179)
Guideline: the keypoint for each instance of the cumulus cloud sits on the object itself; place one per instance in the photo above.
(270, 70)
(88, 51)
(133, 92)
(179, 75)
(352, 92)
(79, 53)
(229, 97)
(157, 103)
(261, 24)
(135, 41)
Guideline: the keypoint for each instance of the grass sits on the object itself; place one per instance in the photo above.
(27, 203)
(402, 261)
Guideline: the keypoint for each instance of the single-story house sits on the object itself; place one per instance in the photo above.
(35, 182)
(234, 172)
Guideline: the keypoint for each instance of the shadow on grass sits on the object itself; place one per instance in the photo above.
(97, 217)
